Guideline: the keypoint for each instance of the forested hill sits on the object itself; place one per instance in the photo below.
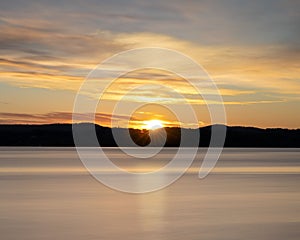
(61, 135)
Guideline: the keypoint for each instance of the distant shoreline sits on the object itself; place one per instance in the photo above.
(60, 135)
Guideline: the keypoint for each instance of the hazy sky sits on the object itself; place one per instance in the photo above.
(250, 48)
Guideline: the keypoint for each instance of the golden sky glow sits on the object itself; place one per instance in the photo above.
(48, 49)
(153, 124)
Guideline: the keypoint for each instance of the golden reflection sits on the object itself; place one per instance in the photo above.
(137, 169)
(152, 211)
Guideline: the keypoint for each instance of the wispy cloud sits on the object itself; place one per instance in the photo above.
(75, 55)
(273, 68)
(250, 48)
(57, 117)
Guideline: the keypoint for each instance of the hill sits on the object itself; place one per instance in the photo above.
(61, 135)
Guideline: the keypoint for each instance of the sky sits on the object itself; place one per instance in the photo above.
(249, 48)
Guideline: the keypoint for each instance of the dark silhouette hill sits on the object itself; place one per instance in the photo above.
(61, 135)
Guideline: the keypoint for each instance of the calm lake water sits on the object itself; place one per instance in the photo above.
(46, 193)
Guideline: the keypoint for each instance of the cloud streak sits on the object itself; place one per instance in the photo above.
(56, 117)
(250, 48)
(261, 68)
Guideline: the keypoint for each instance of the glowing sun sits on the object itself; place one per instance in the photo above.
(153, 124)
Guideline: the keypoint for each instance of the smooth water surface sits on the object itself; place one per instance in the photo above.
(46, 193)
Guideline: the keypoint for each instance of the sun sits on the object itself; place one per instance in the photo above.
(153, 124)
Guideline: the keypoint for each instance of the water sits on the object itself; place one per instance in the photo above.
(46, 193)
